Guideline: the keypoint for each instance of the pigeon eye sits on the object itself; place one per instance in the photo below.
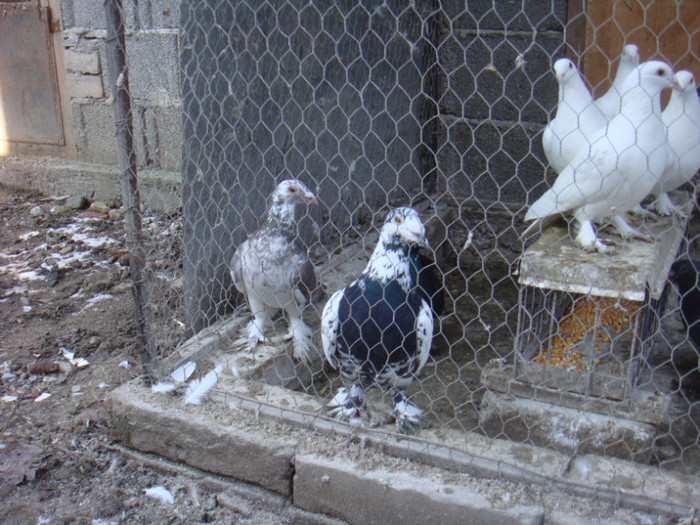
(660, 72)
(292, 189)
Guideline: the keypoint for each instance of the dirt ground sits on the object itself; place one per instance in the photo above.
(64, 289)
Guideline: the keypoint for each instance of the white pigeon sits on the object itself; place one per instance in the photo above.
(625, 161)
(272, 269)
(682, 119)
(576, 119)
(609, 103)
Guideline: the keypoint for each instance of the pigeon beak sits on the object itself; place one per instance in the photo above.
(311, 199)
(676, 85)
(419, 238)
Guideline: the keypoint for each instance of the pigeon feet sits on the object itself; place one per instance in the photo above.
(628, 232)
(664, 206)
(256, 334)
(588, 240)
(348, 404)
(407, 415)
(302, 342)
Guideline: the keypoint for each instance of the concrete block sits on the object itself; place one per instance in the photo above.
(381, 496)
(201, 442)
(154, 66)
(652, 482)
(85, 63)
(85, 86)
(564, 429)
(94, 131)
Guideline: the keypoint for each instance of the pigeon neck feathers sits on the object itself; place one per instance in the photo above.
(642, 89)
(390, 262)
(280, 216)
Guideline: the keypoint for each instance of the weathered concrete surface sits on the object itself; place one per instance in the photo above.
(159, 189)
(646, 407)
(654, 483)
(564, 429)
(385, 497)
(201, 442)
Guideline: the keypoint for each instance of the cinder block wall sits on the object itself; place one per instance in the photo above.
(372, 103)
(152, 42)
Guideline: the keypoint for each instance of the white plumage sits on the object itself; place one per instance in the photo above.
(624, 162)
(576, 119)
(272, 269)
(198, 389)
(609, 103)
(682, 119)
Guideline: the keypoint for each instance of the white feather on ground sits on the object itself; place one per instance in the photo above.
(609, 103)
(198, 388)
(180, 375)
(576, 120)
(682, 119)
(625, 161)
(183, 372)
(160, 493)
(163, 387)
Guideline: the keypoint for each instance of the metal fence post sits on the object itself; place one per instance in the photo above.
(119, 78)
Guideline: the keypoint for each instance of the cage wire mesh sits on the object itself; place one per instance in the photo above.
(438, 106)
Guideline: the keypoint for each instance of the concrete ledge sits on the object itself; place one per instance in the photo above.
(159, 189)
(564, 429)
(385, 497)
(202, 442)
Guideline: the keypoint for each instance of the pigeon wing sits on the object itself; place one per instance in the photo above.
(424, 334)
(236, 268)
(430, 284)
(330, 327)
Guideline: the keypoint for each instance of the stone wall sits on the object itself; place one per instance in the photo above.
(152, 41)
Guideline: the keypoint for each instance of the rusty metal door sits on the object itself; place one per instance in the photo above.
(29, 103)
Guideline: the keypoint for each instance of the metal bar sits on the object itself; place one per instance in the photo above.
(119, 78)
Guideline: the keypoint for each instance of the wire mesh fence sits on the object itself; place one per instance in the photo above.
(441, 107)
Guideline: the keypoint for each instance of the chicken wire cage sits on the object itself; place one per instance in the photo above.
(375, 105)
(586, 322)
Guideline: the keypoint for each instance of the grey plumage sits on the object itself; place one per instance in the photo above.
(272, 269)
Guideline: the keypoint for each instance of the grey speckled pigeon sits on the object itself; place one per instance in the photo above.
(272, 269)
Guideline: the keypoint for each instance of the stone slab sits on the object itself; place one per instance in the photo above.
(673, 488)
(85, 86)
(202, 442)
(556, 262)
(646, 407)
(563, 429)
(384, 497)
(85, 63)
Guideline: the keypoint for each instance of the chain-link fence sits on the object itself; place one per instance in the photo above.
(438, 106)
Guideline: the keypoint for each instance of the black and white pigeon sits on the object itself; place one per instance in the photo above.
(272, 269)
(379, 330)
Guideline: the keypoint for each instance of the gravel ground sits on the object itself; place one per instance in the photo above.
(64, 289)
